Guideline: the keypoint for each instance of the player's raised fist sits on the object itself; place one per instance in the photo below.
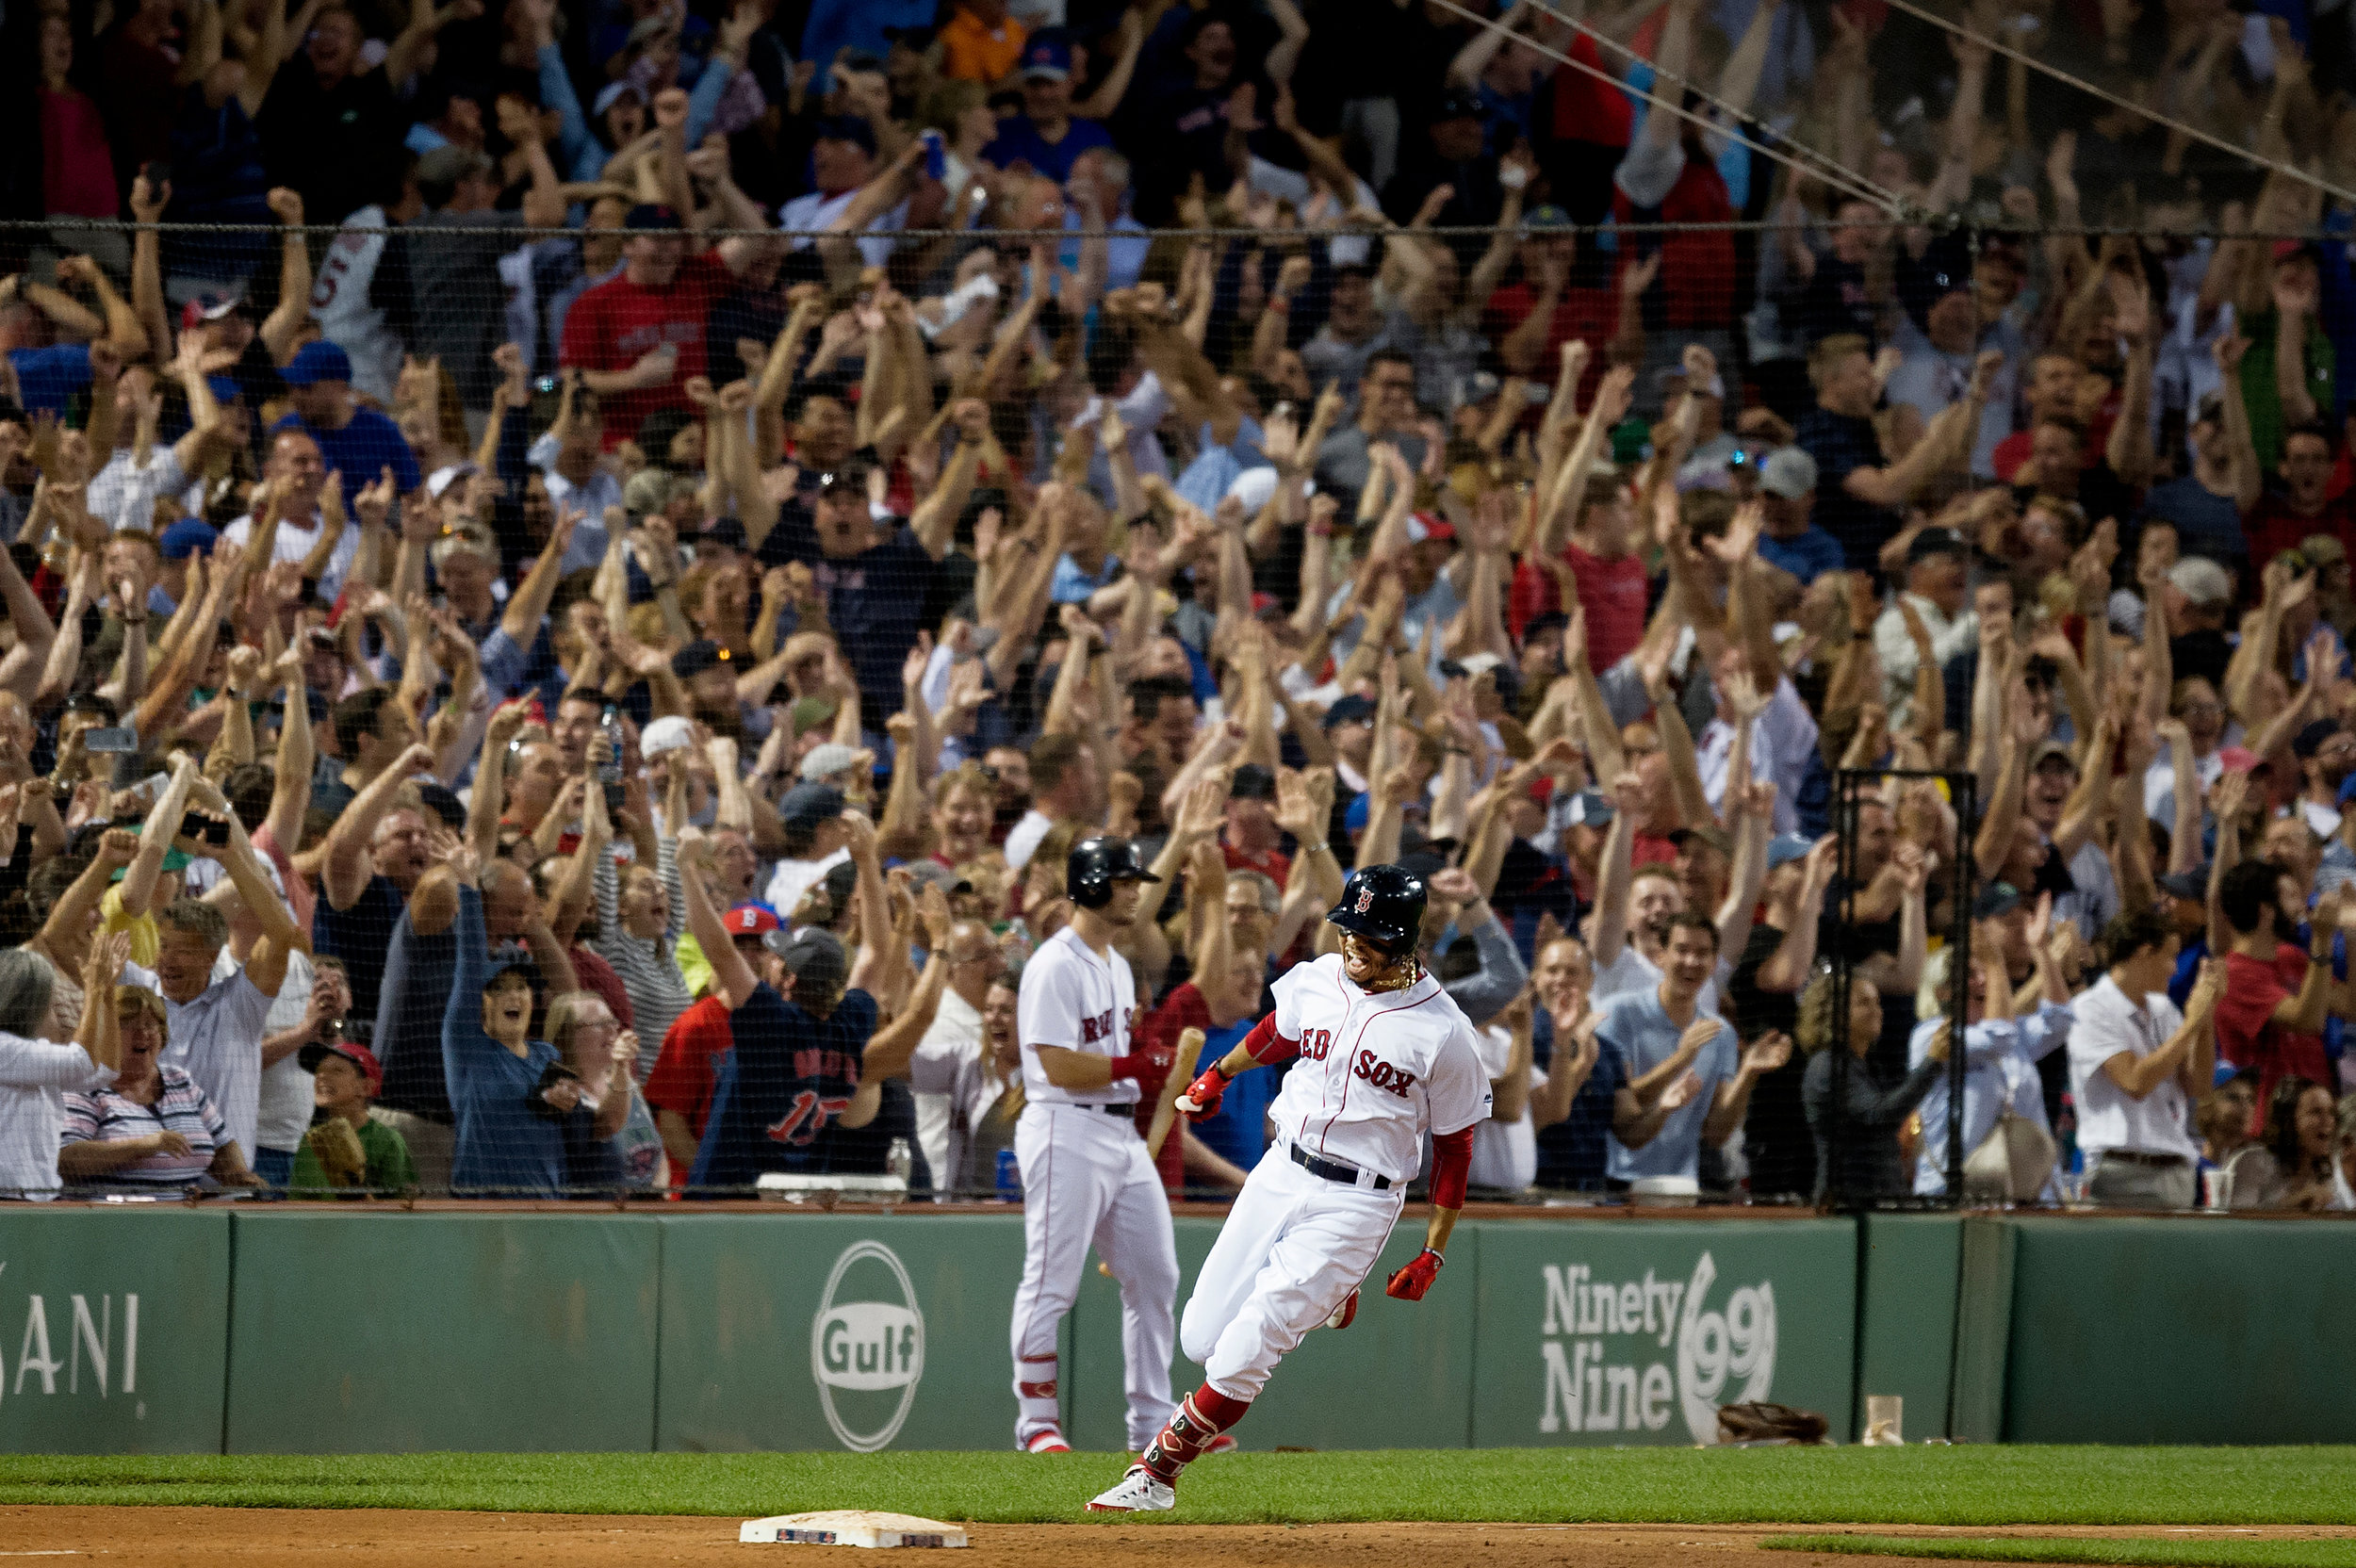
(1410, 1283)
(1202, 1097)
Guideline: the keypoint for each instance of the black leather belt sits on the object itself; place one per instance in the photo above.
(1128, 1110)
(1334, 1170)
(2137, 1156)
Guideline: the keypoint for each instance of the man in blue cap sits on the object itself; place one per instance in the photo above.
(352, 438)
(1044, 135)
(189, 536)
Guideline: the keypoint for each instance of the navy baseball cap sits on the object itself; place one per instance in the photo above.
(2311, 739)
(1996, 899)
(697, 657)
(652, 217)
(1351, 708)
(1936, 541)
(1047, 59)
(847, 128)
(814, 957)
(315, 362)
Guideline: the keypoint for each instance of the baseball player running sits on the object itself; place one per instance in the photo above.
(1383, 1056)
(1086, 1177)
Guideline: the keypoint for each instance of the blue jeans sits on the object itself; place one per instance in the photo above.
(275, 1165)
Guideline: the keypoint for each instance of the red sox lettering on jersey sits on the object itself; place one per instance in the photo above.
(1413, 1046)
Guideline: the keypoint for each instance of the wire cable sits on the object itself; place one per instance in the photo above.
(1825, 166)
(1999, 46)
(1850, 184)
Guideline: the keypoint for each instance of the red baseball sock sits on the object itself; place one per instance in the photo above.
(1199, 1417)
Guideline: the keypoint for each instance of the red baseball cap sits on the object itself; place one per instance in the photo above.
(357, 1054)
(751, 920)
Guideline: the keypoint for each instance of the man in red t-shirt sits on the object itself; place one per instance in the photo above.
(638, 337)
(1531, 318)
(678, 1089)
(2301, 506)
(2262, 1023)
(1614, 589)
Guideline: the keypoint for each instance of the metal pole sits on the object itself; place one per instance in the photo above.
(1966, 790)
(1846, 796)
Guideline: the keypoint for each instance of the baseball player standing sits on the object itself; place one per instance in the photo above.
(1086, 1177)
(1383, 1056)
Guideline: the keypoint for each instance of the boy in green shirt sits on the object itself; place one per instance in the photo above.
(348, 1152)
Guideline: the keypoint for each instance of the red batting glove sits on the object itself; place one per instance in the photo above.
(1200, 1100)
(1410, 1283)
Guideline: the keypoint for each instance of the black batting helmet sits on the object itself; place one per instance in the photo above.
(1095, 864)
(1382, 904)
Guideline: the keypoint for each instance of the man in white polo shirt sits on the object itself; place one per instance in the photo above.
(215, 1026)
(2136, 1065)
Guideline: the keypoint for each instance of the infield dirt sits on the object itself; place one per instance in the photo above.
(385, 1538)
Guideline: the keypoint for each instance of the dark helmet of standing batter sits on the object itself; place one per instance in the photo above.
(1382, 904)
(1095, 864)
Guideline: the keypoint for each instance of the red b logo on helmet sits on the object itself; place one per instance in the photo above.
(1365, 899)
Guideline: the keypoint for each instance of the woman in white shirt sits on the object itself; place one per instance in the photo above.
(35, 1073)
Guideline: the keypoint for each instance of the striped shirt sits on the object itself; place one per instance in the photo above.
(107, 1116)
(649, 967)
(218, 1039)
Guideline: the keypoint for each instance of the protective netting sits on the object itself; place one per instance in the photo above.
(1823, 543)
(1475, 549)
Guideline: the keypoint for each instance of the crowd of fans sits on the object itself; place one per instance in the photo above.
(575, 573)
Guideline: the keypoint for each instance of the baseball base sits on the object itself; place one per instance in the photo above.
(851, 1526)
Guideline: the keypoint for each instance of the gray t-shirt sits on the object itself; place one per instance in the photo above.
(1637, 1027)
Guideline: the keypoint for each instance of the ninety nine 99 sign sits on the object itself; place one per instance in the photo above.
(1601, 1373)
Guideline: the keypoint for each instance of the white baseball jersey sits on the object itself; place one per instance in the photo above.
(1077, 1000)
(1376, 1069)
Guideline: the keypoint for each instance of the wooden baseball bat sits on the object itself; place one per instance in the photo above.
(1181, 1074)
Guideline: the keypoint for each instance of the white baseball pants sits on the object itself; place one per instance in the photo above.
(1293, 1249)
(1085, 1180)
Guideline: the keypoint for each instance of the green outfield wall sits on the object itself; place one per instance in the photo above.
(345, 1331)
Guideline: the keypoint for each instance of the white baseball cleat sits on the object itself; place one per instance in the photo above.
(1345, 1314)
(1140, 1492)
(1048, 1441)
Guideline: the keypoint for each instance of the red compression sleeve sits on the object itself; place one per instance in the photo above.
(1267, 1046)
(1451, 1160)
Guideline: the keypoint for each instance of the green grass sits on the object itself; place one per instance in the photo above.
(2177, 1554)
(1922, 1485)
